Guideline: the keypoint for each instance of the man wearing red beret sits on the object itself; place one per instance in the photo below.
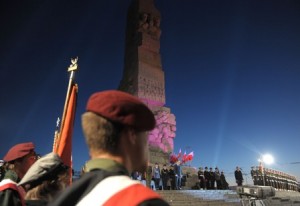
(115, 127)
(18, 160)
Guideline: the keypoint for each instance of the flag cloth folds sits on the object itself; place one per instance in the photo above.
(190, 156)
(173, 159)
(184, 157)
(63, 145)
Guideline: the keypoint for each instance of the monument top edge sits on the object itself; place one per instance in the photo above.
(147, 6)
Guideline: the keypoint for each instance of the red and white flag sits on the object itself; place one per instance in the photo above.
(190, 156)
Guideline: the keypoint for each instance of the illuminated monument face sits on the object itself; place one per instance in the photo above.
(143, 75)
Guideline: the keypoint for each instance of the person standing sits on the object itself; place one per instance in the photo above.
(46, 178)
(201, 178)
(260, 178)
(211, 179)
(218, 178)
(165, 177)
(224, 183)
(156, 175)
(134, 175)
(206, 176)
(178, 175)
(172, 177)
(18, 160)
(238, 176)
(115, 126)
(254, 175)
(148, 175)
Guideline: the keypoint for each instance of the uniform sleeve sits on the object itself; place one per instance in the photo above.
(10, 197)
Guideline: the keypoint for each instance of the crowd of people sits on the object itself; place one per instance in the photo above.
(210, 180)
(115, 126)
(274, 178)
(28, 177)
(168, 178)
(172, 178)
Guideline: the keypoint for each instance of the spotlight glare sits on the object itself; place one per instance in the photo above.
(268, 159)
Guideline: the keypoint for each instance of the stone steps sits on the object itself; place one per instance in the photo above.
(203, 203)
(225, 198)
(200, 197)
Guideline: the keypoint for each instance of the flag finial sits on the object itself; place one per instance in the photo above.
(73, 66)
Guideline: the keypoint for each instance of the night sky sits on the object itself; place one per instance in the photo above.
(232, 73)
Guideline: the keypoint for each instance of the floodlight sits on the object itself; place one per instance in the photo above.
(268, 159)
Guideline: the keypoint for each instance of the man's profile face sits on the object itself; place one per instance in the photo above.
(27, 162)
(141, 151)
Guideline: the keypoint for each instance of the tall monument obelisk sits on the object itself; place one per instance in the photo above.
(143, 75)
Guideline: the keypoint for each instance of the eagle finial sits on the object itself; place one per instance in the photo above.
(74, 65)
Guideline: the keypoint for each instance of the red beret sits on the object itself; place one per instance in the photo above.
(122, 108)
(18, 151)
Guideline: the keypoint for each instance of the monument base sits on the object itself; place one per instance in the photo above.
(158, 156)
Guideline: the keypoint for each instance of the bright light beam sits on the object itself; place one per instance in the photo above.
(268, 159)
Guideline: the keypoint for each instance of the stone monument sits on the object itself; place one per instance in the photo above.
(143, 75)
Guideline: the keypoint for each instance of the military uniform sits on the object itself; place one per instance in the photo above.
(12, 175)
(224, 183)
(254, 175)
(10, 193)
(238, 177)
(218, 178)
(107, 182)
(201, 179)
(211, 179)
(206, 176)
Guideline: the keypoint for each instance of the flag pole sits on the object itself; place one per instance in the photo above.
(72, 68)
(56, 134)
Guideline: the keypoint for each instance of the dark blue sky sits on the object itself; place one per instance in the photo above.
(232, 72)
